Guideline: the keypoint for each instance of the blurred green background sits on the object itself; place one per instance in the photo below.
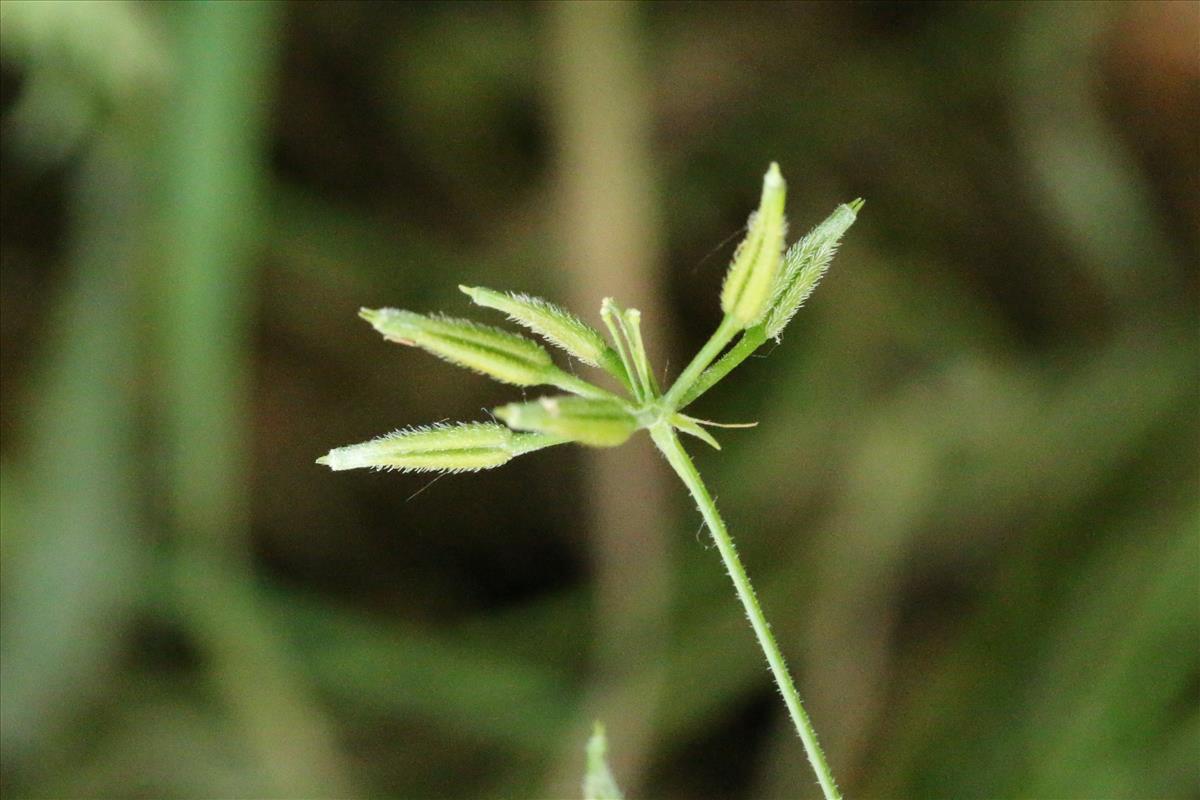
(971, 506)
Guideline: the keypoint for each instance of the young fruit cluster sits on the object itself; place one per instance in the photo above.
(763, 289)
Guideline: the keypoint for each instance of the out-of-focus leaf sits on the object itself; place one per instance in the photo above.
(479, 691)
(1092, 188)
(83, 61)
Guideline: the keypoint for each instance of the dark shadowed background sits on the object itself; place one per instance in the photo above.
(970, 507)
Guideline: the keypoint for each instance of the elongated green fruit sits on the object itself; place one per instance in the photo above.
(750, 282)
(445, 448)
(600, 423)
(557, 325)
(805, 264)
(505, 356)
(462, 447)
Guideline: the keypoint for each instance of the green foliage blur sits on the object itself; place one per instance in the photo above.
(970, 507)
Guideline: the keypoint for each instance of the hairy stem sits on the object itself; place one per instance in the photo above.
(712, 348)
(751, 340)
(668, 442)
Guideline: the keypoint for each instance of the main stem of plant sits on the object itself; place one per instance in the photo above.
(668, 442)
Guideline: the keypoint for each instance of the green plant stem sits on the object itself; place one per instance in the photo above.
(751, 340)
(668, 442)
(611, 363)
(568, 382)
(712, 348)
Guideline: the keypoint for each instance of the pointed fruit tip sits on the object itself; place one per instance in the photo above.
(774, 177)
(856, 205)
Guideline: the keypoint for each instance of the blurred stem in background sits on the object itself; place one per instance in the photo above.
(72, 525)
(211, 176)
(72, 564)
(611, 246)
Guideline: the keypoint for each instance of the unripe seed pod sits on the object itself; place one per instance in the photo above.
(557, 325)
(600, 423)
(441, 448)
(505, 356)
(750, 282)
(805, 263)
